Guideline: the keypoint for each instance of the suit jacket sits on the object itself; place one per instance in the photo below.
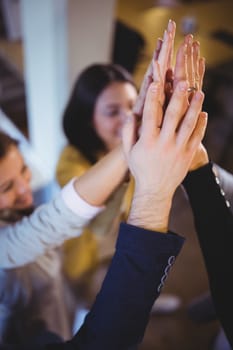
(140, 266)
(121, 311)
(214, 222)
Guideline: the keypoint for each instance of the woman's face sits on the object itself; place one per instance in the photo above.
(15, 190)
(111, 109)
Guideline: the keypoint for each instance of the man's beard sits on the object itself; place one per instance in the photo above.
(13, 215)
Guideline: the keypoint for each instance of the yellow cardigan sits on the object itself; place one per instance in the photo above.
(97, 241)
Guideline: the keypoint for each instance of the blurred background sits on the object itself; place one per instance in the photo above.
(43, 47)
(45, 44)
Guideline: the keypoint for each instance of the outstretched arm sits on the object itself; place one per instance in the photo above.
(145, 250)
(214, 223)
(65, 216)
(211, 209)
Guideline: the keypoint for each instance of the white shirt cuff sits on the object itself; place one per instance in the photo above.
(76, 204)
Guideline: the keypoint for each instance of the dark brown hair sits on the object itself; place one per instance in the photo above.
(5, 142)
(78, 114)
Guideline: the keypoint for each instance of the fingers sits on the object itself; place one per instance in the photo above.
(189, 66)
(169, 85)
(147, 79)
(165, 54)
(175, 109)
(199, 131)
(138, 106)
(196, 61)
(172, 30)
(180, 69)
(201, 71)
(129, 134)
(153, 112)
(189, 121)
(162, 53)
(157, 49)
(190, 60)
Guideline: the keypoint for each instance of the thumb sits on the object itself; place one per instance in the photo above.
(129, 134)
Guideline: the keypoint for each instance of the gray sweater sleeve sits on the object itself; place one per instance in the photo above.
(49, 226)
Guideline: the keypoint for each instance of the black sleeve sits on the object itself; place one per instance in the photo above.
(214, 225)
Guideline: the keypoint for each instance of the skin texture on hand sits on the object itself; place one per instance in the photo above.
(104, 177)
(95, 186)
(160, 158)
(163, 54)
(191, 67)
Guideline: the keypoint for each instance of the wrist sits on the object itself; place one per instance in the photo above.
(150, 211)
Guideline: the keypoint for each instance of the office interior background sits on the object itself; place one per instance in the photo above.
(43, 47)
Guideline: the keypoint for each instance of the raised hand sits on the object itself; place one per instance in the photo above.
(161, 157)
(191, 67)
(163, 54)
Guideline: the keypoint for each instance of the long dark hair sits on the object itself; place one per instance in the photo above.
(78, 114)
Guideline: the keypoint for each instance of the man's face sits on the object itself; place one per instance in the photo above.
(15, 190)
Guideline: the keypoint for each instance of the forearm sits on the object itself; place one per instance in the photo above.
(97, 184)
(211, 208)
(150, 211)
(120, 314)
(49, 226)
(121, 311)
(214, 223)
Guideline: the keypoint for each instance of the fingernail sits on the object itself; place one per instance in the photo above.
(205, 115)
(196, 43)
(170, 25)
(199, 95)
(190, 39)
(202, 59)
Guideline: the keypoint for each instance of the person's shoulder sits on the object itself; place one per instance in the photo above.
(70, 164)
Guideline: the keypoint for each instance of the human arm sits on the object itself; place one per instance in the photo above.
(64, 217)
(121, 310)
(214, 223)
(158, 153)
(141, 251)
(120, 313)
(212, 215)
(190, 66)
(163, 54)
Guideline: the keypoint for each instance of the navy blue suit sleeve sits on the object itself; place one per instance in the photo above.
(214, 223)
(119, 316)
(121, 311)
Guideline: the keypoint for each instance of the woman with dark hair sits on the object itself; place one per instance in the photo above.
(114, 87)
(146, 249)
(102, 98)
